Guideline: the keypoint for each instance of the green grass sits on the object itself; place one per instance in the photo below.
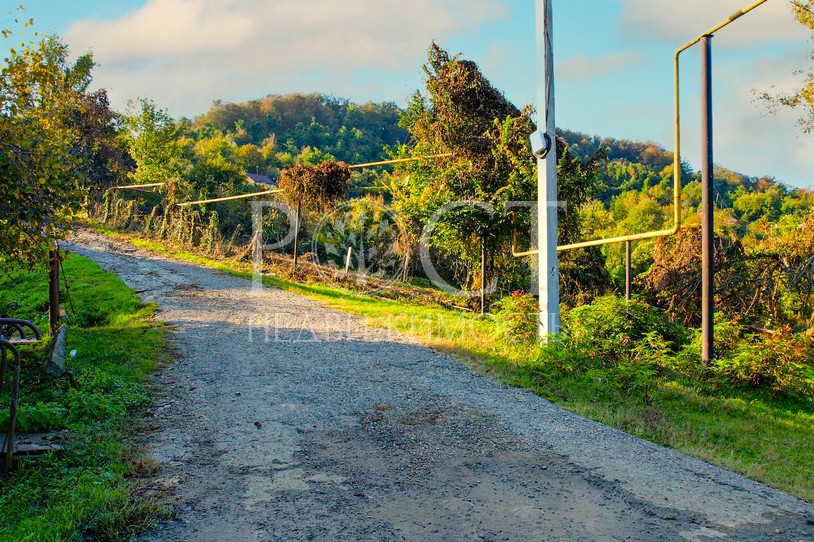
(83, 494)
(751, 432)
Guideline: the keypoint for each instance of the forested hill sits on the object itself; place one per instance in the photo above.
(295, 126)
(647, 167)
(284, 129)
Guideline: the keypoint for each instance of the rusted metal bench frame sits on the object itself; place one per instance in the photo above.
(26, 333)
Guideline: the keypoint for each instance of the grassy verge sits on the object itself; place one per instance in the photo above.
(748, 431)
(84, 493)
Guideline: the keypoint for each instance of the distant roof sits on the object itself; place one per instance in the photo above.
(260, 179)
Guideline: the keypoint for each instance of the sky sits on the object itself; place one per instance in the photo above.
(613, 60)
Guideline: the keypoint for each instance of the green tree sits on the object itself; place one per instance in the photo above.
(95, 128)
(465, 115)
(155, 145)
(491, 162)
(583, 275)
(40, 175)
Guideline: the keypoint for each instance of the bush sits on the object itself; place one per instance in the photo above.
(518, 315)
(612, 330)
(781, 362)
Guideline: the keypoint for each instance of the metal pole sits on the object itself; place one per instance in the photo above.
(707, 234)
(53, 288)
(400, 160)
(230, 198)
(628, 274)
(548, 266)
(483, 273)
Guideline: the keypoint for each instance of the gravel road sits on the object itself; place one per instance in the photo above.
(285, 420)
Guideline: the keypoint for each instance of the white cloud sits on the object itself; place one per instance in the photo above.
(583, 67)
(748, 135)
(679, 21)
(185, 53)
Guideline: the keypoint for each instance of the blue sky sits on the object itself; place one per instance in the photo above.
(614, 60)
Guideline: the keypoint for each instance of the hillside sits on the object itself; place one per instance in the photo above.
(293, 127)
(279, 130)
(630, 188)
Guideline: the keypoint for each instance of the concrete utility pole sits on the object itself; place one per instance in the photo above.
(548, 271)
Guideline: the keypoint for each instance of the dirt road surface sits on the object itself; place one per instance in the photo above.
(284, 420)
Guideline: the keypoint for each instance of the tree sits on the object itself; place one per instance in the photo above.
(350, 132)
(95, 128)
(802, 98)
(40, 175)
(492, 163)
(465, 115)
(106, 160)
(158, 149)
(674, 279)
(313, 187)
(583, 275)
(153, 139)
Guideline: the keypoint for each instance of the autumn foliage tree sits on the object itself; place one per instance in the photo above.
(491, 163)
(462, 114)
(40, 172)
(315, 188)
(769, 284)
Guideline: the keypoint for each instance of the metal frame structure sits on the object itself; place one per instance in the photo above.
(229, 198)
(707, 196)
(707, 203)
(400, 160)
(137, 186)
(9, 327)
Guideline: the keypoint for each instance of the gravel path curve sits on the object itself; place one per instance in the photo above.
(285, 420)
